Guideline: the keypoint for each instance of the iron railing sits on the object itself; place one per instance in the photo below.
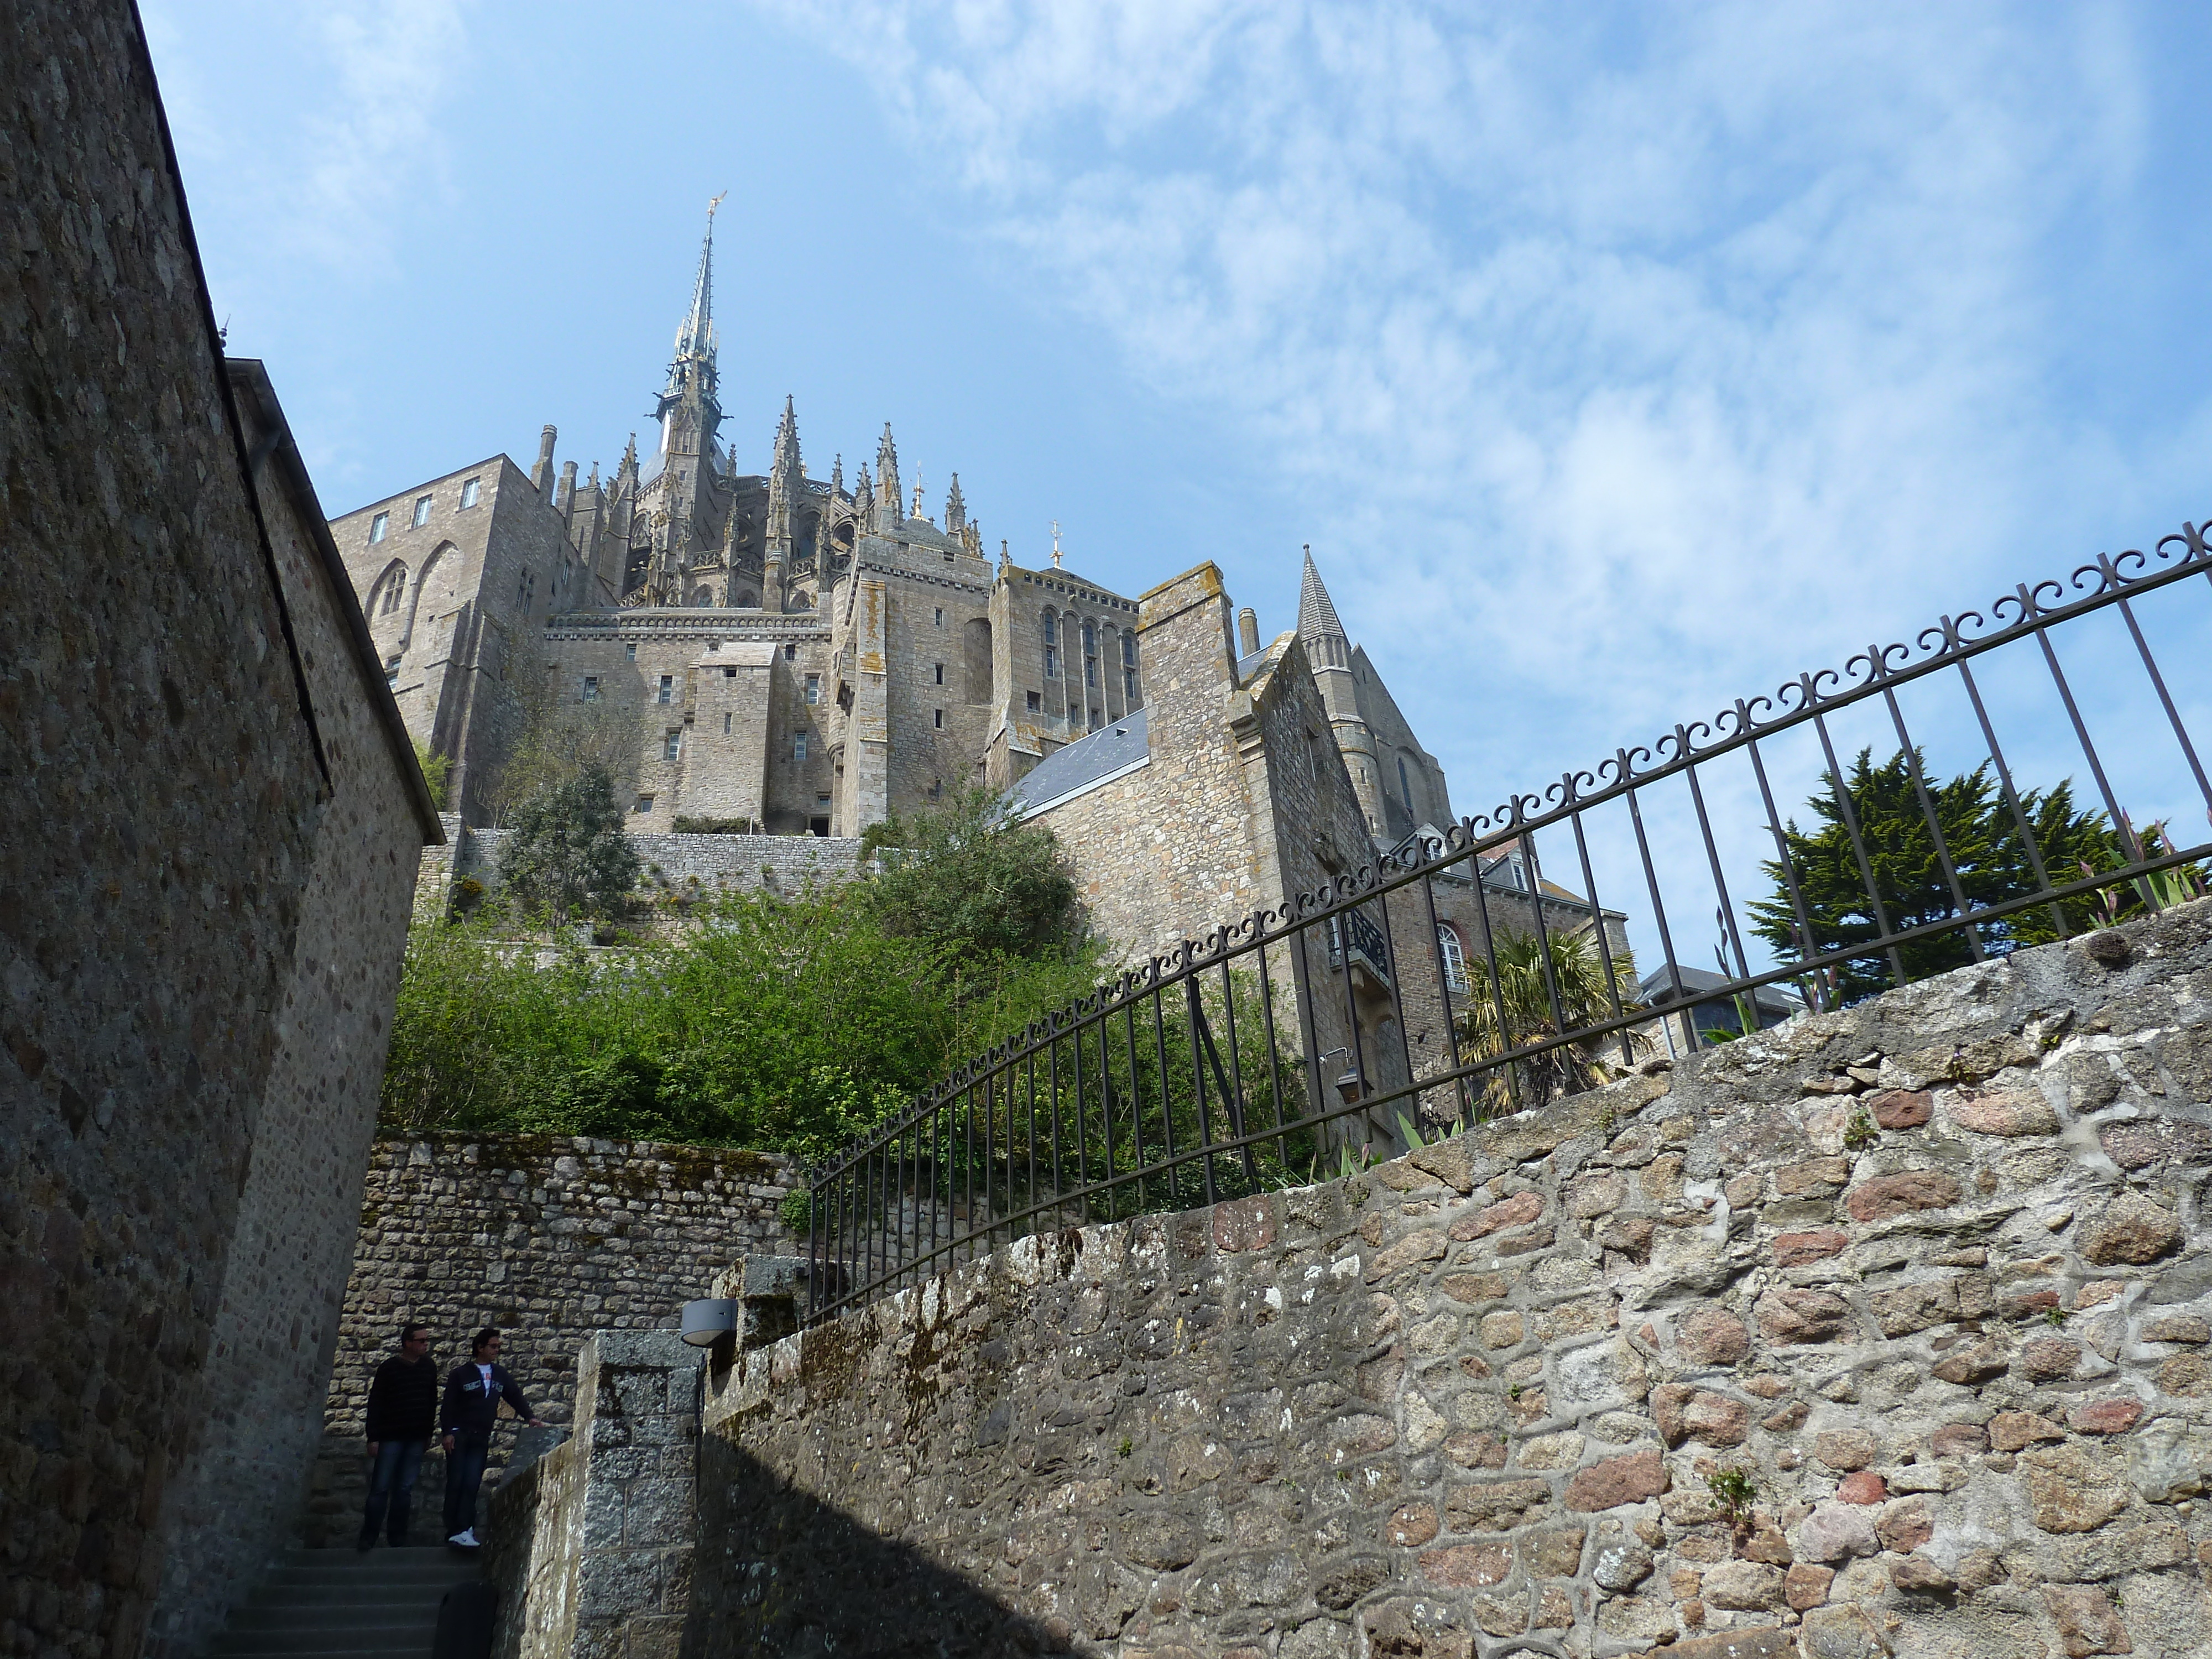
(1265, 1053)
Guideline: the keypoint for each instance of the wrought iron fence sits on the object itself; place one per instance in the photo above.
(1453, 979)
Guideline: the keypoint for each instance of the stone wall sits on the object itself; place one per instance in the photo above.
(238, 1499)
(736, 864)
(552, 1240)
(1885, 1332)
(155, 707)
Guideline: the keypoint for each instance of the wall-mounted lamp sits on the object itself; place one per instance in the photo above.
(709, 1320)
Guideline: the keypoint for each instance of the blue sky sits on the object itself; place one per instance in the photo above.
(1614, 360)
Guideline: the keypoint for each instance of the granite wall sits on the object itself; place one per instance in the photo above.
(1888, 1332)
(680, 866)
(549, 1239)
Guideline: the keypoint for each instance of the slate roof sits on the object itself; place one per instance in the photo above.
(1119, 747)
(1657, 989)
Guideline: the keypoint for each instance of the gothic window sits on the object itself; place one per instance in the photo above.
(1051, 646)
(802, 602)
(377, 527)
(1455, 956)
(384, 600)
(702, 597)
(470, 492)
(672, 744)
(747, 600)
(1404, 787)
(1090, 655)
(422, 511)
(1129, 667)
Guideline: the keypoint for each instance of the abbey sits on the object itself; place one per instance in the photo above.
(808, 655)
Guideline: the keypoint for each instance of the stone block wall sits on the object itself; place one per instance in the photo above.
(1883, 1333)
(737, 864)
(552, 1240)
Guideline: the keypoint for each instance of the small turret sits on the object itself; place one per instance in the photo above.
(541, 475)
(837, 479)
(1325, 641)
(887, 476)
(955, 510)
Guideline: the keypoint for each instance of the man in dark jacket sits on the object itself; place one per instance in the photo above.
(471, 1408)
(402, 1411)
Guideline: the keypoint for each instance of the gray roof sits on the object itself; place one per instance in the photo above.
(1088, 761)
(1658, 988)
(1316, 615)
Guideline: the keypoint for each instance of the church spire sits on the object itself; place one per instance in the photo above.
(1325, 641)
(688, 411)
(955, 510)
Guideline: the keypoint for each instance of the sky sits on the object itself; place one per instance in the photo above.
(1615, 360)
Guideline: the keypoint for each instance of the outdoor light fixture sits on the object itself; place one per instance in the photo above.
(709, 1320)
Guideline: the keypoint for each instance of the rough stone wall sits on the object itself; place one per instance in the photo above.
(551, 1239)
(150, 702)
(1884, 1333)
(238, 1498)
(741, 864)
(592, 1544)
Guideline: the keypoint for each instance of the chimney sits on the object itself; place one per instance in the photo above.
(541, 474)
(1248, 632)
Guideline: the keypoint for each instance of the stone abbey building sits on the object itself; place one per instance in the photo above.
(807, 656)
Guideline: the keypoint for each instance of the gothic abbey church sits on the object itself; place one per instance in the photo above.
(810, 656)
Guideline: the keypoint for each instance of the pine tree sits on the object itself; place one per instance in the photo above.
(567, 854)
(1988, 854)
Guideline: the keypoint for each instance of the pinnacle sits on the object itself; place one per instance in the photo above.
(1317, 617)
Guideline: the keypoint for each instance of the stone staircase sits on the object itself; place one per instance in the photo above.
(342, 1604)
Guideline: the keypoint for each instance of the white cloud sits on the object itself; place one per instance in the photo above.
(1635, 358)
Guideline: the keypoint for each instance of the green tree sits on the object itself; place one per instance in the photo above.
(1523, 988)
(567, 854)
(973, 878)
(1988, 854)
(437, 771)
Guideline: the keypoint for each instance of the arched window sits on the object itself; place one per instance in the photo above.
(747, 600)
(1455, 956)
(1129, 666)
(702, 597)
(390, 587)
(802, 601)
(1089, 653)
(1051, 646)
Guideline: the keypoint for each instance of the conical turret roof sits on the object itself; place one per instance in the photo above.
(1317, 616)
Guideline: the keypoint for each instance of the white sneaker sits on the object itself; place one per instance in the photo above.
(464, 1541)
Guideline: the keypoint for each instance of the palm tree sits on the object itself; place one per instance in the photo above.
(1524, 990)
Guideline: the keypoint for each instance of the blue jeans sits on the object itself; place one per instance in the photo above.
(391, 1480)
(464, 1468)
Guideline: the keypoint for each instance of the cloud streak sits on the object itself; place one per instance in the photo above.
(1593, 346)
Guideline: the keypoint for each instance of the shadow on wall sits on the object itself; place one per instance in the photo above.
(781, 1571)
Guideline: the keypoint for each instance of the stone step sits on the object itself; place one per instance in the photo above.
(346, 1604)
(319, 1616)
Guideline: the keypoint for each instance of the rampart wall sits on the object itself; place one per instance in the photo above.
(1886, 1332)
(549, 1239)
(783, 865)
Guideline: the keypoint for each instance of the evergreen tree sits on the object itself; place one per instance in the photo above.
(1988, 854)
(568, 854)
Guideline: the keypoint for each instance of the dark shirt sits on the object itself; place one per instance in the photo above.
(403, 1400)
(469, 1405)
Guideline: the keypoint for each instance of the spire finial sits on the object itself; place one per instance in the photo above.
(1055, 544)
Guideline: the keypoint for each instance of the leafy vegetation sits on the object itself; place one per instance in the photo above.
(690, 826)
(1988, 856)
(1524, 988)
(437, 771)
(568, 855)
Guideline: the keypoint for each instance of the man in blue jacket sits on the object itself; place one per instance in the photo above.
(471, 1408)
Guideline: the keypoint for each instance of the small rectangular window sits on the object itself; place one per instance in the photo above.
(672, 745)
(729, 673)
(377, 526)
(1129, 683)
(939, 720)
(936, 788)
(1036, 702)
(799, 747)
(422, 511)
(391, 670)
(791, 653)
(667, 687)
(726, 726)
(940, 616)
(590, 688)
(941, 673)
(822, 803)
(644, 803)
(630, 651)
(814, 687)
(470, 491)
